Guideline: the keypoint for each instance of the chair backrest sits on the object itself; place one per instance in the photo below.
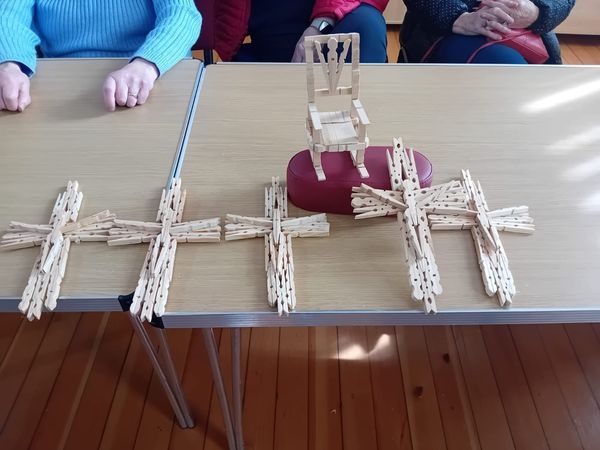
(206, 41)
(332, 60)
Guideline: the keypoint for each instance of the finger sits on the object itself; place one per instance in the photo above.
(506, 3)
(144, 93)
(499, 14)
(495, 26)
(489, 33)
(10, 94)
(132, 95)
(2, 105)
(121, 92)
(507, 6)
(24, 96)
(298, 53)
(108, 92)
(493, 20)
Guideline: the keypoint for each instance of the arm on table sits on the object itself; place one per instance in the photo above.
(177, 28)
(17, 53)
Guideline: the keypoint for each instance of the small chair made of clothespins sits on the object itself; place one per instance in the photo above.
(335, 131)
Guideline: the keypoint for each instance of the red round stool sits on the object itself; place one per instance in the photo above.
(333, 194)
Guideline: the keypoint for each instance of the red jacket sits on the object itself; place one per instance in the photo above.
(232, 17)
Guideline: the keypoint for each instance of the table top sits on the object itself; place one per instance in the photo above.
(122, 161)
(529, 134)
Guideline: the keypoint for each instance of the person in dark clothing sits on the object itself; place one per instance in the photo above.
(459, 27)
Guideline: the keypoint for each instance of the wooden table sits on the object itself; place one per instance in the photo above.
(122, 161)
(530, 134)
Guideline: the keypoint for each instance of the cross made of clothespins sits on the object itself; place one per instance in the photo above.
(163, 235)
(484, 226)
(43, 285)
(278, 230)
(411, 205)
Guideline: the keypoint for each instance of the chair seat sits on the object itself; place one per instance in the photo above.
(338, 128)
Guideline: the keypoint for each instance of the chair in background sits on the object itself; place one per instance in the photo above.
(335, 131)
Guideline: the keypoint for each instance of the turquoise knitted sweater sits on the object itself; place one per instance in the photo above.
(160, 31)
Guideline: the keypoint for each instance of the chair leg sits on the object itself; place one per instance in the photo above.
(208, 57)
(316, 159)
(358, 158)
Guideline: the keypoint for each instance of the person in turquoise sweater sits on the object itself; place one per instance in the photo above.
(153, 34)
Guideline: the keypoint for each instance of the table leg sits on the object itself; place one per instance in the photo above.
(165, 354)
(213, 357)
(151, 352)
(236, 362)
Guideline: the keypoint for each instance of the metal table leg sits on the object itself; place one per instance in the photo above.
(151, 352)
(165, 354)
(213, 357)
(236, 362)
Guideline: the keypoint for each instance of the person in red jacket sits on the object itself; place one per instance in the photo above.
(277, 28)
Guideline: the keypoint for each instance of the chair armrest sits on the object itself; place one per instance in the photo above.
(357, 108)
(313, 114)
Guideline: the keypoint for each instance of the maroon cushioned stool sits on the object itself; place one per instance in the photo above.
(333, 194)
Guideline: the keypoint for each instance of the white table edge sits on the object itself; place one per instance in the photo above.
(380, 318)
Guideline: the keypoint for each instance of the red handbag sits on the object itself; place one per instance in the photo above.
(526, 42)
(529, 45)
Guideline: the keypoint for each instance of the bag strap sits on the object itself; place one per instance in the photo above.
(431, 49)
(490, 43)
(474, 54)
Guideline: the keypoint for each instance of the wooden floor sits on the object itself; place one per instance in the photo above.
(82, 382)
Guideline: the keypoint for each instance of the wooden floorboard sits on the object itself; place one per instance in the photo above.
(54, 426)
(261, 389)
(523, 419)
(97, 398)
(358, 410)
(424, 414)
(198, 388)
(128, 403)
(389, 401)
(325, 406)
(551, 405)
(9, 324)
(17, 362)
(37, 386)
(488, 409)
(580, 400)
(83, 381)
(291, 412)
(460, 430)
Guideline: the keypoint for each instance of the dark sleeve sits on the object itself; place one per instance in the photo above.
(552, 14)
(439, 15)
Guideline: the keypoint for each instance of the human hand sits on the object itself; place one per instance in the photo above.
(523, 12)
(299, 53)
(487, 22)
(14, 88)
(131, 85)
